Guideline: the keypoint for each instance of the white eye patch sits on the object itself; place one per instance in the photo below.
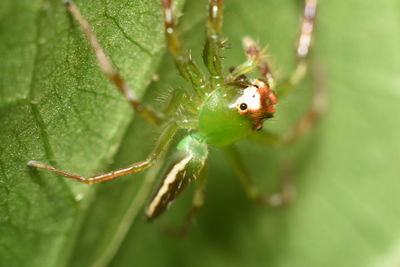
(251, 97)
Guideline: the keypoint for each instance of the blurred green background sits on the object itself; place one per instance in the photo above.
(55, 106)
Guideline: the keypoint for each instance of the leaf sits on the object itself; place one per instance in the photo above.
(346, 170)
(57, 107)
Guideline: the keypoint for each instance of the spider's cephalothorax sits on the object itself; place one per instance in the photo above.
(257, 103)
(231, 113)
(218, 109)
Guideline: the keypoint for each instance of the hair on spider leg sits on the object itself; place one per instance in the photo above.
(225, 44)
(163, 96)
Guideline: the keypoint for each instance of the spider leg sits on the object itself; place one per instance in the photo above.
(302, 49)
(311, 115)
(304, 123)
(257, 58)
(177, 96)
(160, 147)
(184, 62)
(109, 71)
(197, 203)
(212, 53)
(281, 198)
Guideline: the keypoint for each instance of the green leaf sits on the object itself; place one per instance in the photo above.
(57, 107)
(346, 170)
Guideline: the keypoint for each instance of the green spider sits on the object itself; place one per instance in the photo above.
(217, 110)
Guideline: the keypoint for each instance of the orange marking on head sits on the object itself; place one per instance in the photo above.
(257, 111)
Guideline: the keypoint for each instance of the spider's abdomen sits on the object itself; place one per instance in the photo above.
(219, 122)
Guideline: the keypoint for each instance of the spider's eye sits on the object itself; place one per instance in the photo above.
(243, 106)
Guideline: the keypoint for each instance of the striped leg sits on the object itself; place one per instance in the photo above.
(108, 70)
(281, 198)
(184, 62)
(302, 48)
(161, 146)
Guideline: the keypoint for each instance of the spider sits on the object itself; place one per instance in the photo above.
(217, 110)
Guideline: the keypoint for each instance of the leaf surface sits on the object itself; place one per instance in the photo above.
(57, 107)
(346, 170)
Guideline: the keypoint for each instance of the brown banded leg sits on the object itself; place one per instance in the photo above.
(160, 147)
(184, 62)
(281, 198)
(255, 59)
(253, 51)
(302, 48)
(109, 71)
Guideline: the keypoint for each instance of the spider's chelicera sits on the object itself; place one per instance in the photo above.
(217, 109)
